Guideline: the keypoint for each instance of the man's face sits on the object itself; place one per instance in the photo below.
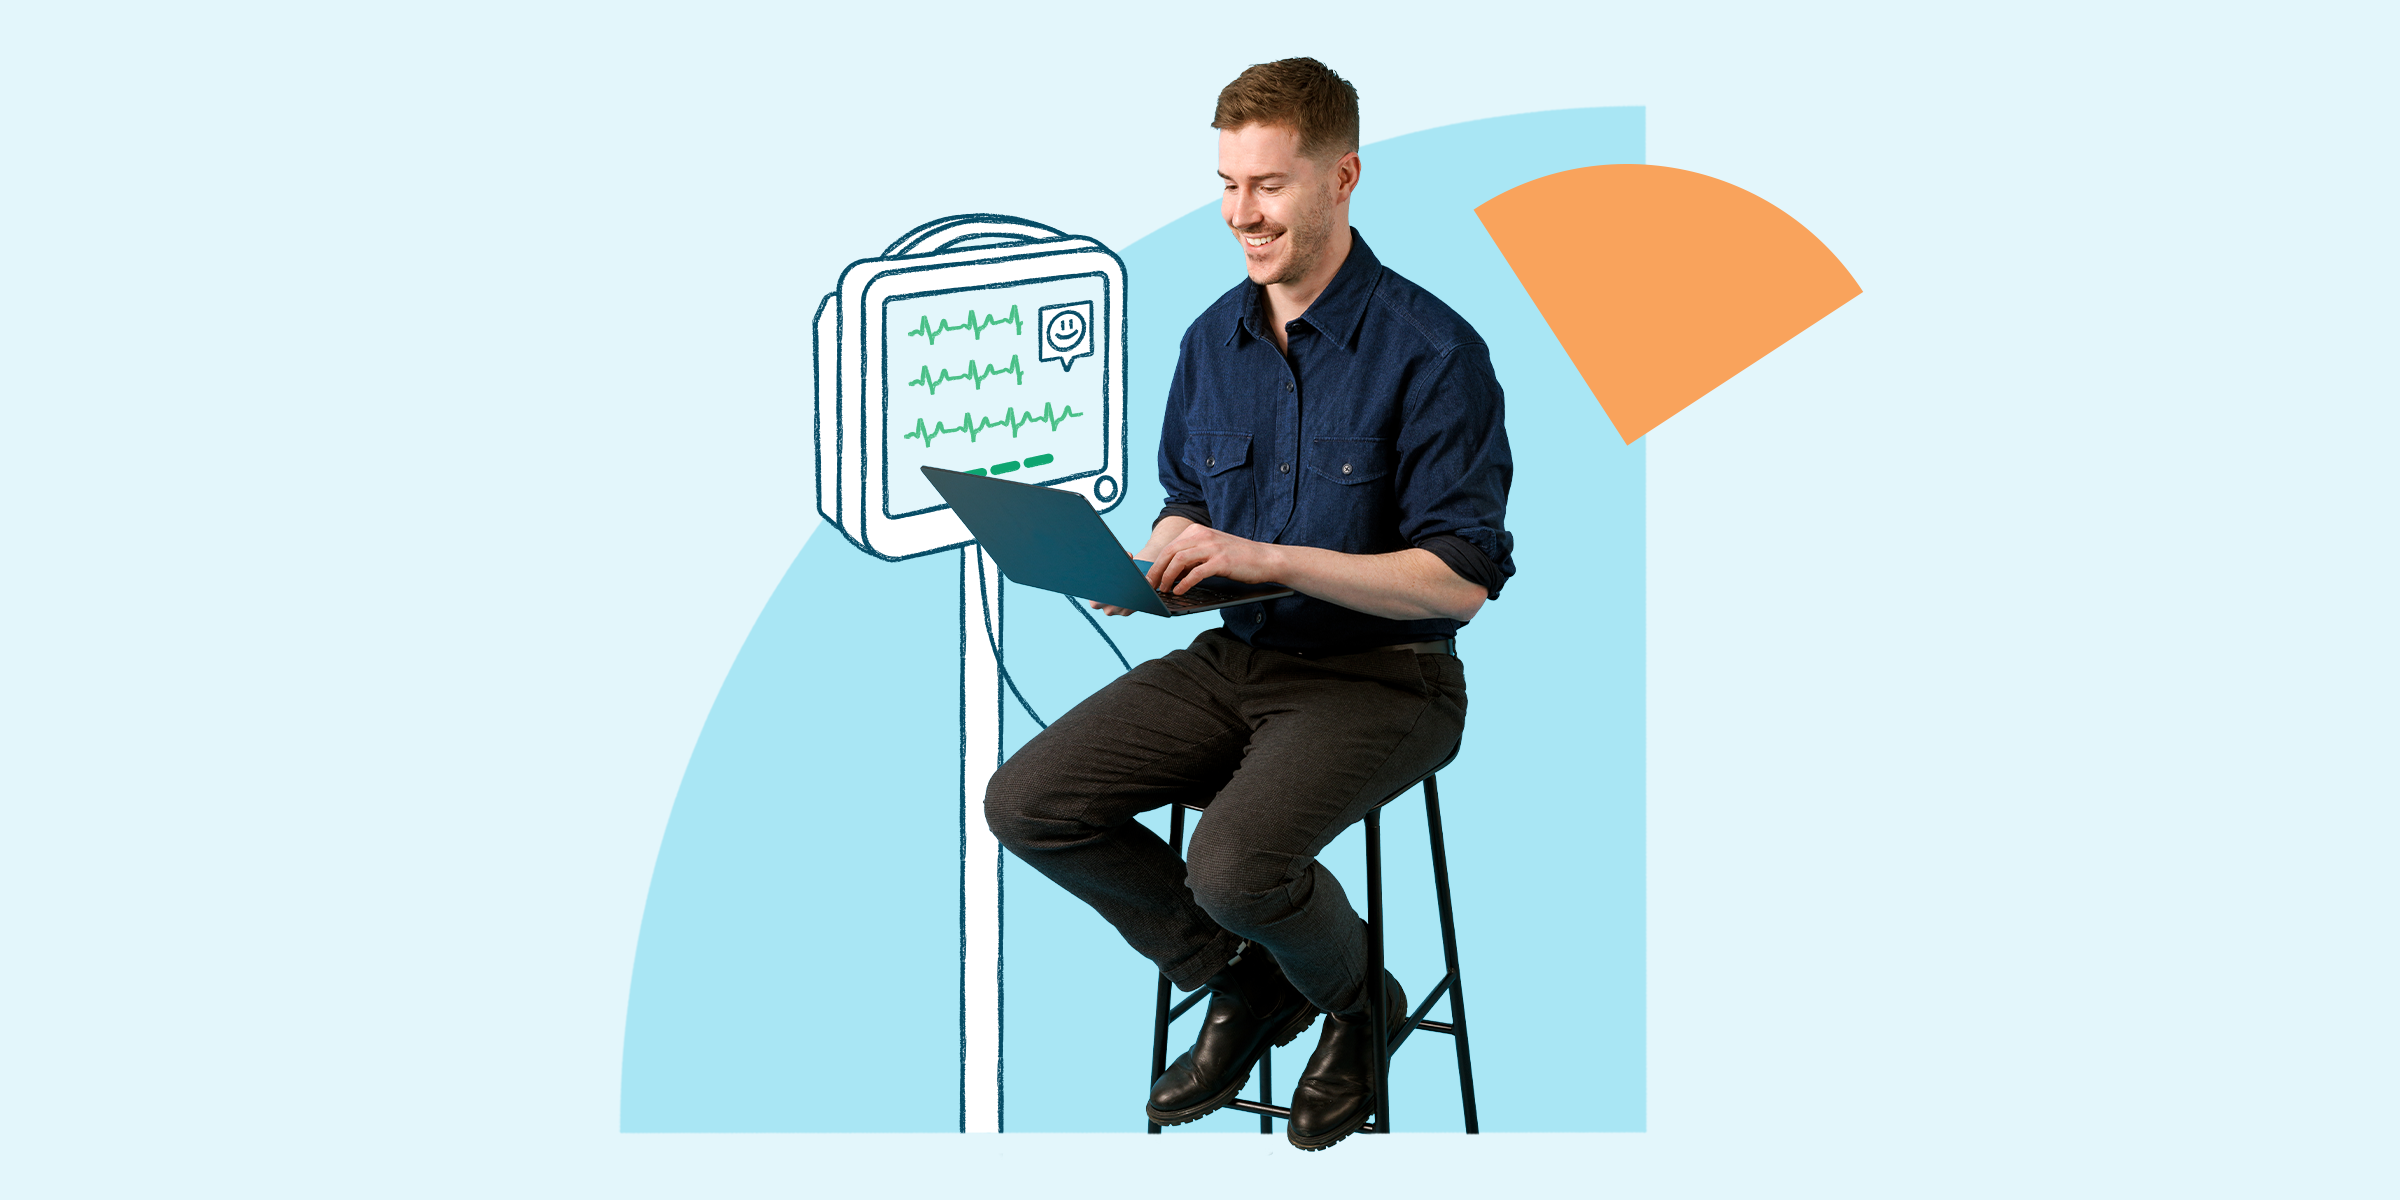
(1280, 203)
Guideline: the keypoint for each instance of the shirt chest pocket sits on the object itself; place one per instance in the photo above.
(1214, 452)
(1350, 460)
(1347, 503)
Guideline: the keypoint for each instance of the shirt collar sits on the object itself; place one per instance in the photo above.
(1336, 312)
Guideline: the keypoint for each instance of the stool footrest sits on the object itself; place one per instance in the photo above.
(1281, 1113)
(1185, 1005)
(1417, 1021)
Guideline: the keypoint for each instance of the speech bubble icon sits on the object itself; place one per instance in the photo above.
(1066, 333)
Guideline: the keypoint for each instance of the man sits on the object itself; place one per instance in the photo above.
(1333, 428)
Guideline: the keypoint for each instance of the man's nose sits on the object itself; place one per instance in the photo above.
(1245, 209)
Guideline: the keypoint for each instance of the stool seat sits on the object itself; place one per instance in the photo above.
(1456, 1026)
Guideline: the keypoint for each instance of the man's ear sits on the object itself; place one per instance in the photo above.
(1345, 175)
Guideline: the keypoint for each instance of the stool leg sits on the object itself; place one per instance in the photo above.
(1377, 1019)
(1266, 1088)
(1441, 895)
(1158, 1038)
(1158, 1033)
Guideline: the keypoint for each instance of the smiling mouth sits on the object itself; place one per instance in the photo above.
(1256, 240)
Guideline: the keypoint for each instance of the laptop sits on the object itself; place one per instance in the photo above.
(1049, 539)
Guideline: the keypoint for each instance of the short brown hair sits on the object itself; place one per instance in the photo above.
(1299, 94)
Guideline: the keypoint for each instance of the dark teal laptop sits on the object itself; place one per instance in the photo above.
(1051, 539)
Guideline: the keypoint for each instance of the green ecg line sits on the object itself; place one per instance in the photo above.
(975, 325)
(974, 374)
(973, 426)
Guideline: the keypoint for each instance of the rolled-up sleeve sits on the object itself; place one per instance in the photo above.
(1455, 467)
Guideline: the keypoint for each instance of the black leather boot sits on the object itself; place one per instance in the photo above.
(1335, 1095)
(1251, 1006)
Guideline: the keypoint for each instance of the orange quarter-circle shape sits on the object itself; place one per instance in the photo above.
(1661, 283)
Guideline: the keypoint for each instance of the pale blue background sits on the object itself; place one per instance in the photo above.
(812, 851)
(399, 416)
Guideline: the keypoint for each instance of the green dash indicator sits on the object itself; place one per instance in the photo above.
(1038, 460)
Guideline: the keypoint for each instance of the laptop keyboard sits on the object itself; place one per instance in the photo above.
(1198, 597)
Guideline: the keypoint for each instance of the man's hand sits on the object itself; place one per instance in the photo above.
(1199, 552)
(1162, 535)
(1181, 553)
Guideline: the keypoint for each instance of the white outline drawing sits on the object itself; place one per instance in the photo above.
(967, 253)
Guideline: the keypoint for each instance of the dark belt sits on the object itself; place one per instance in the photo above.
(1440, 646)
(1447, 646)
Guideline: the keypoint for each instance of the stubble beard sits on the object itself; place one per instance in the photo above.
(1307, 239)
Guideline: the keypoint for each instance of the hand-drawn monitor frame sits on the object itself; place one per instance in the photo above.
(954, 254)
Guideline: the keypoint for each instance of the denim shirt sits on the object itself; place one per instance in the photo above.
(1380, 431)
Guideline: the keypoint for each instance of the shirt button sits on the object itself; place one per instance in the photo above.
(1287, 385)
(1285, 468)
(1212, 462)
(1345, 468)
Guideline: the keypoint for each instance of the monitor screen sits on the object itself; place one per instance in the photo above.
(1007, 380)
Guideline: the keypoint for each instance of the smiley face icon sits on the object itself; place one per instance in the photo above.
(1066, 330)
(1066, 333)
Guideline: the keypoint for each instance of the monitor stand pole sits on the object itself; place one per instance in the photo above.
(979, 852)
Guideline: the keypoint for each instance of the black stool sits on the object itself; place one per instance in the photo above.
(1456, 1027)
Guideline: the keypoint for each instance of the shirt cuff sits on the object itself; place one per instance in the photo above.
(1472, 565)
(1197, 514)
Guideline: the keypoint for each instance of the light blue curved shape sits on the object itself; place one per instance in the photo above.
(798, 961)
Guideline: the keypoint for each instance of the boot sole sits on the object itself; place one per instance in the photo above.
(1185, 1116)
(1368, 1114)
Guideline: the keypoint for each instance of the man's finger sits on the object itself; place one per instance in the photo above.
(1177, 566)
(1193, 573)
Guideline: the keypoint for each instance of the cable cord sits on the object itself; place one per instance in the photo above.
(984, 593)
(1086, 614)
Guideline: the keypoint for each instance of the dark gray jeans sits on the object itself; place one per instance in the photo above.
(1285, 752)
